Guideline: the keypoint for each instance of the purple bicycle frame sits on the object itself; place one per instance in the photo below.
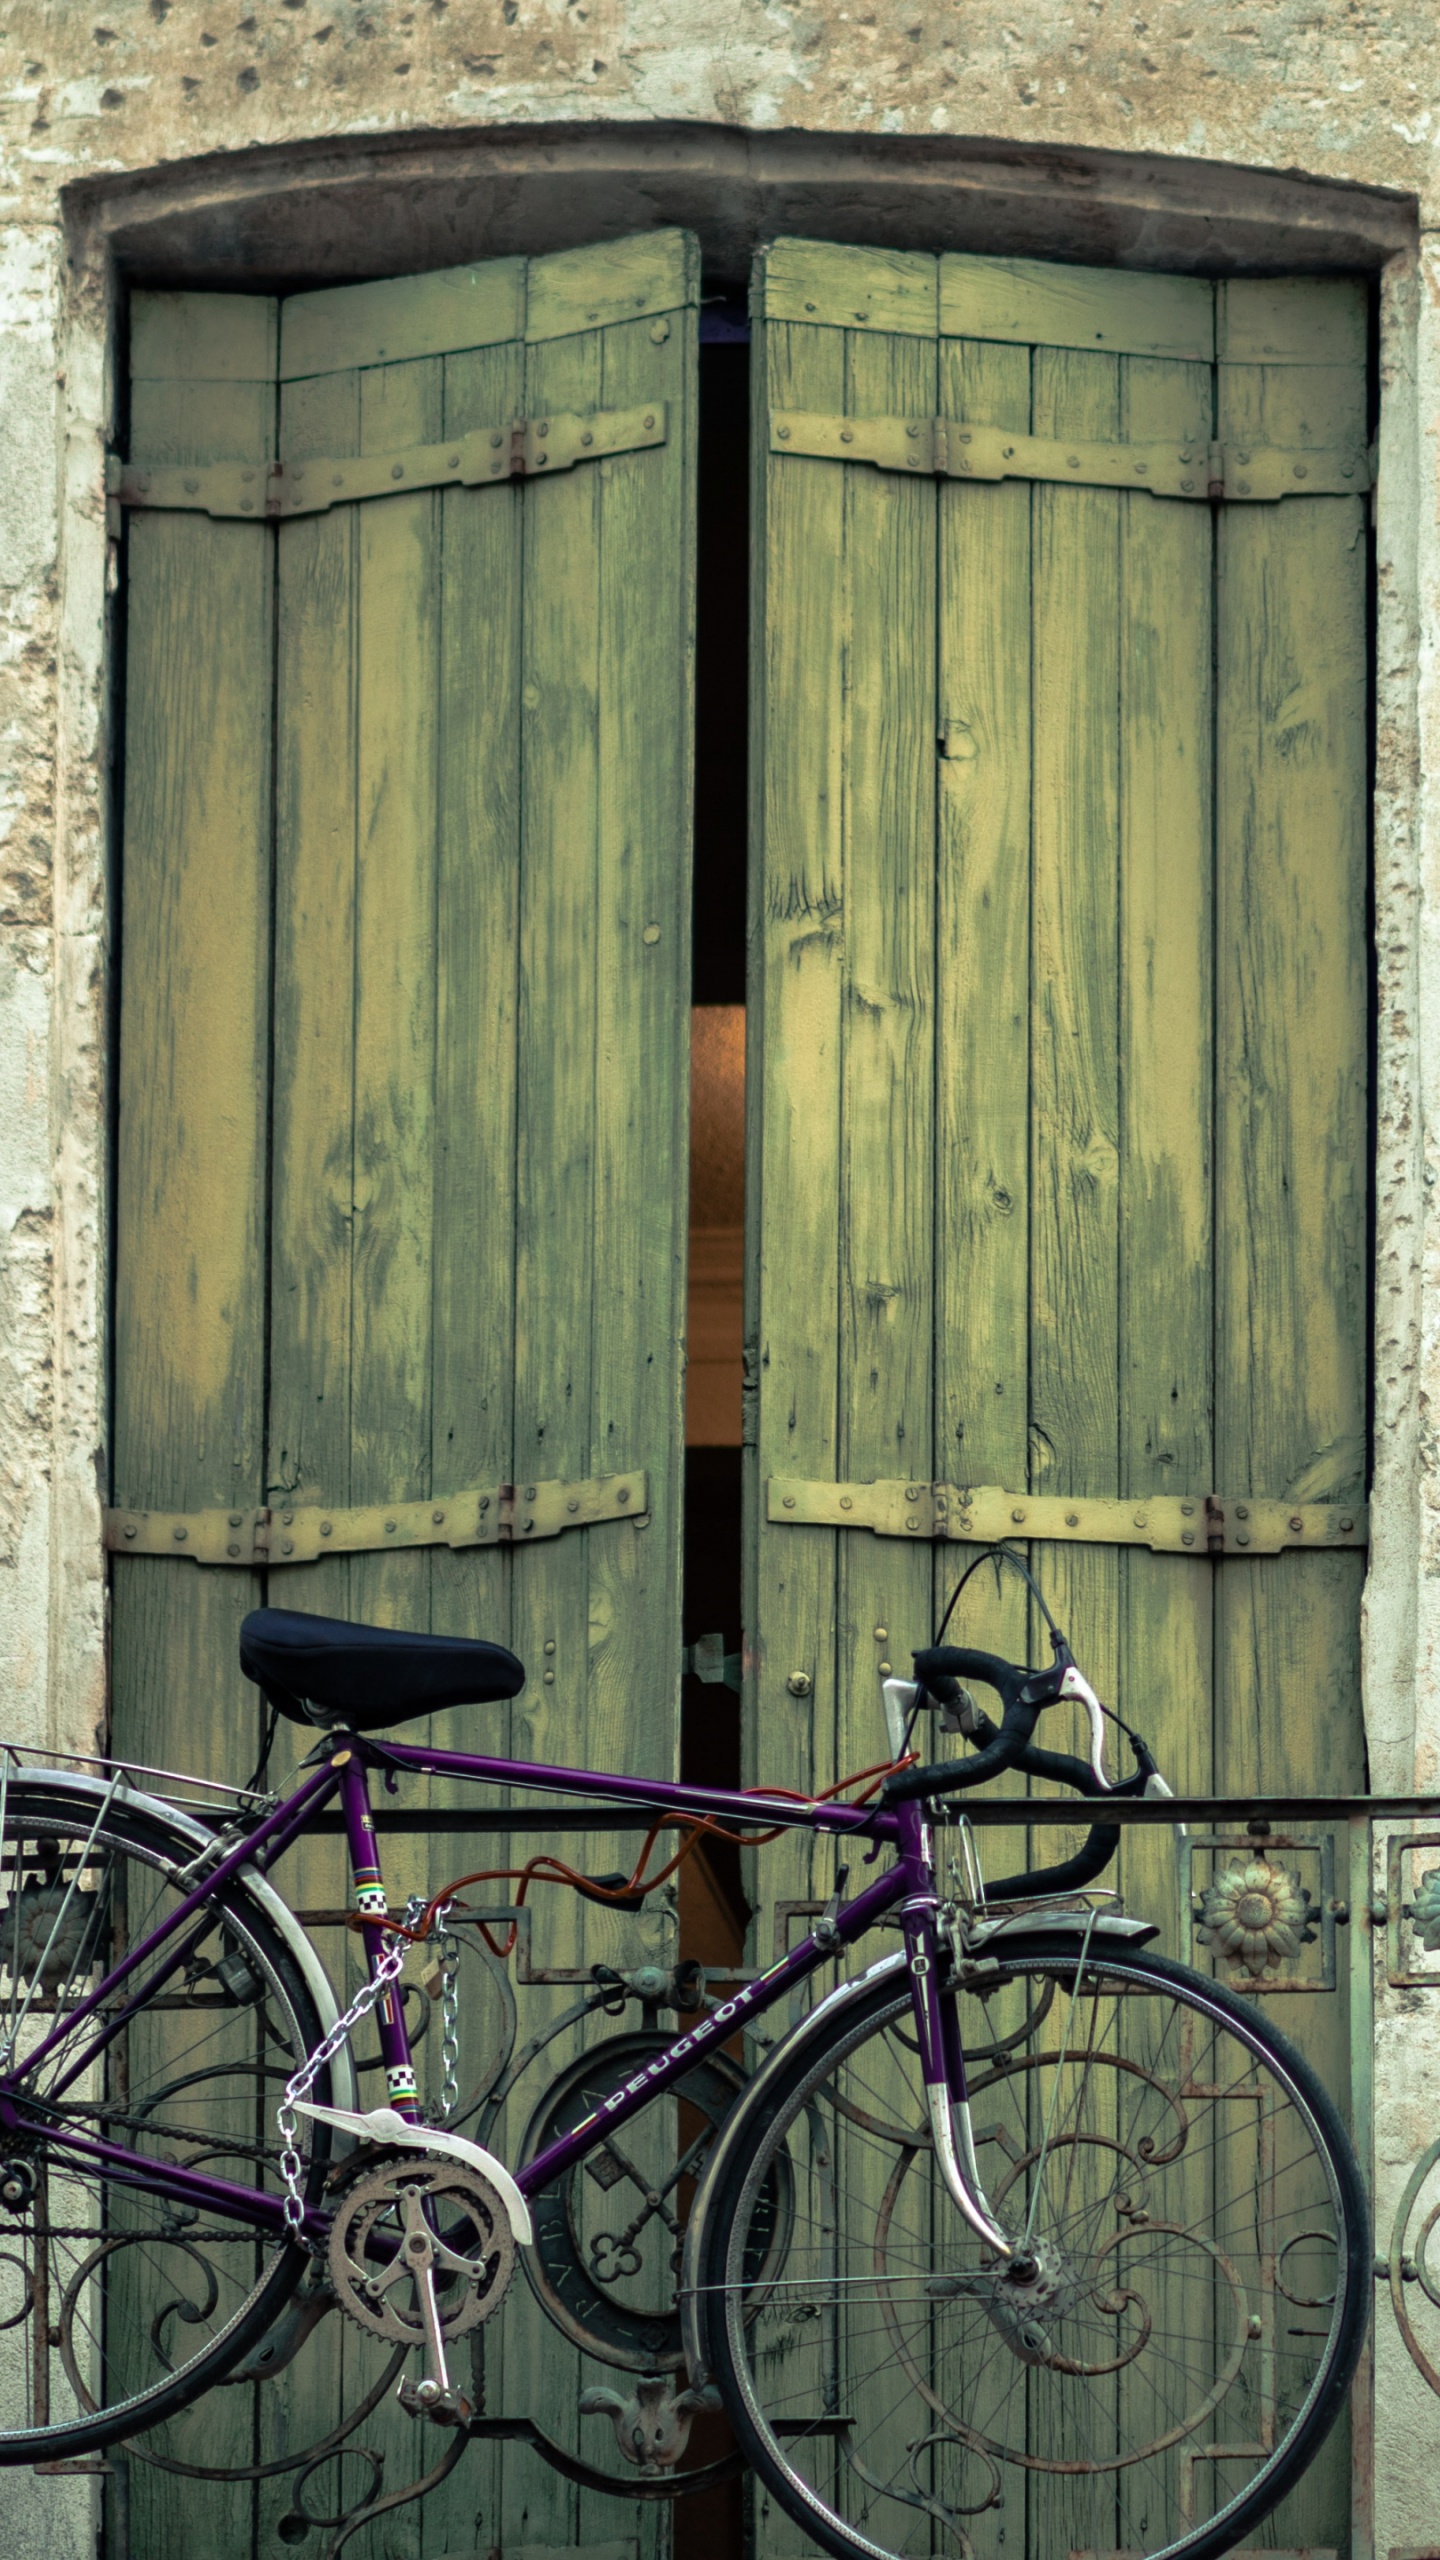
(907, 1884)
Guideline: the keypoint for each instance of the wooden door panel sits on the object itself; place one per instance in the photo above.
(1127, 1050)
(190, 1172)
(429, 1208)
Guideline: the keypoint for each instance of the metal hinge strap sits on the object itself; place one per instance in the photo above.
(521, 448)
(491, 1516)
(953, 448)
(1169, 1524)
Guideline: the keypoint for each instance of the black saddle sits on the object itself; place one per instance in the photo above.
(325, 1671)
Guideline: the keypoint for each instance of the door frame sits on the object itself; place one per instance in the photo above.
(355, 207)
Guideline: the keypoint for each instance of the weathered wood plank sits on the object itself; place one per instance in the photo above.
(1165, 1041)
(602, 1114)
(312, 1160)
(398, 318)
(312, 1175)
(180, 339)
(1032, 303)
(886, 1065)
(477, 996)
(793, 1124)
(820, 285)
(1291, 1132)
(982, 1002)
(1075, 996)
(398, 599)
(190, 1168)
(1075, 1122)
(641, 1069)
(1304, 320)
(598, 287)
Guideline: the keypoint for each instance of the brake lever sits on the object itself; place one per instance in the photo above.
(1074, 1684)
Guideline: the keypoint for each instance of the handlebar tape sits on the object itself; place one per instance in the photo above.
(947, 1776)
(1024, 1693)
(1009, 1747)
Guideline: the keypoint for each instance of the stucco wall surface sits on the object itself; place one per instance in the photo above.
(1346, 91)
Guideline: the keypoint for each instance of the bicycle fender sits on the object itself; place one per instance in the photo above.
(735, 2134)
(191, 1835)
(385, 2125)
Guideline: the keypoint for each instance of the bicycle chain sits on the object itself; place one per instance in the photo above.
(303, 2081)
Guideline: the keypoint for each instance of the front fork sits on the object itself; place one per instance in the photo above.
(937, 2027)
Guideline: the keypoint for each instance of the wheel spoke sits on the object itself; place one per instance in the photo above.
(130, 2302)
(901, 2391)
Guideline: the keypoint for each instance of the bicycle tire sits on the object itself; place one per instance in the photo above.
(95, 2379)
(877, 2425)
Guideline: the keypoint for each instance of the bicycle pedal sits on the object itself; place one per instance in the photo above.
(444, 2408)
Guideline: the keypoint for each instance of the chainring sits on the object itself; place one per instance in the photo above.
(374, 2234)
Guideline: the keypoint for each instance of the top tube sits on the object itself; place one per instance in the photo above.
(662, 1795)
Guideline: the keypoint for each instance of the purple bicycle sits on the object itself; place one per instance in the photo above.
(1024, 2241)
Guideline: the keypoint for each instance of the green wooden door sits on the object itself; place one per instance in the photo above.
(403, 1082)
(1056, 1144)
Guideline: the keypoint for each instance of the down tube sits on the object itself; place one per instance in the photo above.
(370, 1902)
(671, 2065)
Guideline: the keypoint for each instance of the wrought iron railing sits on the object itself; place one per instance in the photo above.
(1281, 1896)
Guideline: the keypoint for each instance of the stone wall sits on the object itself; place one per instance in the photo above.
(295, 141)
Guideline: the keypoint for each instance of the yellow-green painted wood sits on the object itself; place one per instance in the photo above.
(1149, 1053)
(1291, 1176)
(183, 339)
(885, 1203)
(819, 285)
(399, 318)
(190, 1163)
(616, 281)
(1029, 303)
(794, 1037)
(190, 1182)
(475, 1193)
(982, 1062)
(1304, 320)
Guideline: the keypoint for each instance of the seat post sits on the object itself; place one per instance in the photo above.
(369, 1887)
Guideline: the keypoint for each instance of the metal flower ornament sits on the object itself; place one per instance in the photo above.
(1426, 1909)
(1258, 1915)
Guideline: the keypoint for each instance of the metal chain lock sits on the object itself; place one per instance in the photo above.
(301, 2082)
(449, 2016)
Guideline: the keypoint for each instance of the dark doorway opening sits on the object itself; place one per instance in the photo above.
(710, 1730)
(713, 1909)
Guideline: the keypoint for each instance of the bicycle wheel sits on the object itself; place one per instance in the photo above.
(1196, 2254)
(123, 2305)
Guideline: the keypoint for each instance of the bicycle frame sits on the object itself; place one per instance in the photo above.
(906, 1887)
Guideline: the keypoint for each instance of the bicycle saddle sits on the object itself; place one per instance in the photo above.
(326, 1671)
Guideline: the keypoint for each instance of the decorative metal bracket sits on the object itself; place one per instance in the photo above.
(1169, 1524)
(1420, 1907)
(494, 1515)
(954, 449)
(518, 449)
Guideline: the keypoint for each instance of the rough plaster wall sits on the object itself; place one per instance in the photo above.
(1345, 92)
(28, 604)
